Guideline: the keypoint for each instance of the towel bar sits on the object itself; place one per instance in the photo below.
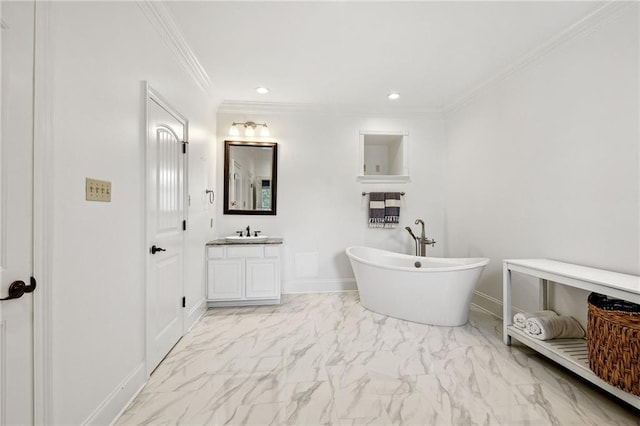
(365, 193)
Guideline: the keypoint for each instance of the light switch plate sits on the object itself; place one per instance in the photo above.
(98, 190)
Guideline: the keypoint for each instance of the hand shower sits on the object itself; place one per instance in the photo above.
(415, 239)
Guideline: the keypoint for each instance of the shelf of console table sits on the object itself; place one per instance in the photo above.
(570, 353)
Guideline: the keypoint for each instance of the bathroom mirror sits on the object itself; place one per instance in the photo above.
(383, 156)
(250, 177)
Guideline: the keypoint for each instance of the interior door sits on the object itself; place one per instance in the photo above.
(16, 230)
(166, 191)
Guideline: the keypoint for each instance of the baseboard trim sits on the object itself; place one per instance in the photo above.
(194, 314)
(319, 286)
(485, 310)
(124, 408)
(252, 302)
(490, 304)
(119, 399)
(487, 303)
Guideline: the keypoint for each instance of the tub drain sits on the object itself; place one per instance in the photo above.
(417, 264)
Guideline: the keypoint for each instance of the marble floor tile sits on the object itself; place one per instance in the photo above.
(310, 403)
(322, 359)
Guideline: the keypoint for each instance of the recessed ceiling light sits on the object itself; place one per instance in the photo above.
(262, 90)
(393, 95)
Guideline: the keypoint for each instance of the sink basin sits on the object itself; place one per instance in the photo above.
(246, 240)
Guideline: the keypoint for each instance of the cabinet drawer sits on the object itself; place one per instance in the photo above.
(253, 251)
(215, 252)
(272, 251)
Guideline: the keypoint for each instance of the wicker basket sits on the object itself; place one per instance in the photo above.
(614, 341)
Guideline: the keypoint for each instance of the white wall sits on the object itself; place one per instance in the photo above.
(320, 210)
(101, 54)
(546, 164)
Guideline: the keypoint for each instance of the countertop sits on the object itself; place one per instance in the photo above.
(223, 242)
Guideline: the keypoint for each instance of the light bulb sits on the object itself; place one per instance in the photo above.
(249, 131)
(233, 131)
(264, 131)
(262, 90)
(393, 96)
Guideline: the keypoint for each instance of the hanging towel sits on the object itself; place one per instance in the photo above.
(520, 319)
(391, 209)
(558, 327)
(376, 209)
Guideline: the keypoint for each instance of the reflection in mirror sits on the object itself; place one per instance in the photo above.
(250, 177)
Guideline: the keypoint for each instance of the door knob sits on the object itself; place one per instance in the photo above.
(155, 249)
(18, 288)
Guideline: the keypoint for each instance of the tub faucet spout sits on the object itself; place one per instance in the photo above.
(421, 249)
(421, 222)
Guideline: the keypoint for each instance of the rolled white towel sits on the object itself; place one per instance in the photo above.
(520, 319)
(554, 327)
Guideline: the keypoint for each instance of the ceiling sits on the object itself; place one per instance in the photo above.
(352, 54)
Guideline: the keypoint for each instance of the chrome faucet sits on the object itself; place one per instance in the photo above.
(248, 231)
(421, 222)
(421, 248)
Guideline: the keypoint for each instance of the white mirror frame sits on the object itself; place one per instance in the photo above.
(395, 178)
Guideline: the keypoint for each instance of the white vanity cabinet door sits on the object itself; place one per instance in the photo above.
(262, 278)
(243, 275)
(224, 279)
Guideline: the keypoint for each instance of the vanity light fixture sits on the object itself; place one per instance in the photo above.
(393, 96)
(262, 90)
(249, 129)
(234, 131)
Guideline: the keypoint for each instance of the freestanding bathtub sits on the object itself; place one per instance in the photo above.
(428, 290)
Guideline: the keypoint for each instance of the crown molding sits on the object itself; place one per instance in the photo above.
(160, 18)
(231, 107)
(249, 107)
(585, 25)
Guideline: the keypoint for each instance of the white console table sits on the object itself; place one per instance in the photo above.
(570, 353)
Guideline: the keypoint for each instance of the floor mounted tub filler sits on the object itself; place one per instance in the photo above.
(427, 290)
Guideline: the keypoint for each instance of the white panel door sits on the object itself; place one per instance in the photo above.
(166, 189)
(224, 279)
(262, 278)
(16, 246)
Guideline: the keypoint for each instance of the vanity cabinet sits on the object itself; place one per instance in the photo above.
(247, 274)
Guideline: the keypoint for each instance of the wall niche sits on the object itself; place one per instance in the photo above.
(383, 157)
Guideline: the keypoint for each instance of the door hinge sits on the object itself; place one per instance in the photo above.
(184, 225)
(184, 302)
(184, 146)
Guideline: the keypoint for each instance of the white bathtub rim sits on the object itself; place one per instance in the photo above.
(470, 262)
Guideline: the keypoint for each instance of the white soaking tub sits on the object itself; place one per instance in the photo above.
(427, 290)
